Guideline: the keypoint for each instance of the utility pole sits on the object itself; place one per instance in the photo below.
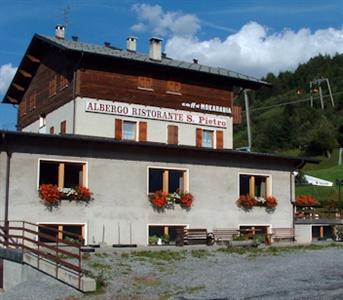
(247, 113)
(317, 83)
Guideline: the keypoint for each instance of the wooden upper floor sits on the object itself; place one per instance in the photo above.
(54, 72)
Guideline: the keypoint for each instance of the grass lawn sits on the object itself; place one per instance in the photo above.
(328, 170)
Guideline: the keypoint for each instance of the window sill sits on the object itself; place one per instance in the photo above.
(63, 87)
(173, 93)
(145, 89)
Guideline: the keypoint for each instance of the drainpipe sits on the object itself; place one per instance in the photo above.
(301, 164)
(7, 187)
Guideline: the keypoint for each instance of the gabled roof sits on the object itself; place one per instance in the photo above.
(130, 55)
(234, 78)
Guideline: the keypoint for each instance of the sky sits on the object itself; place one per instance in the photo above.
(247, 36)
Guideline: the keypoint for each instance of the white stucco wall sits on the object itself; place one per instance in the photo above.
(303, 233)
(120, 192)
(54, 119)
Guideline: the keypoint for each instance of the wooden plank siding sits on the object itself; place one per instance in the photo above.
(54, 66)
(124, 85)
(237, 114)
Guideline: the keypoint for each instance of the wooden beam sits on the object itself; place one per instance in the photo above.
(33, 59)
(19, 87)
(12, 100)
(166, 181)
(61, 175)
(25, 74)
(252, 186)
(321, 232)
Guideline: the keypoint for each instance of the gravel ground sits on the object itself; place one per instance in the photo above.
(209, 273)
(314, 272)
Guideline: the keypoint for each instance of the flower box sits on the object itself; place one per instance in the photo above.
(161, 200)
(52, 195)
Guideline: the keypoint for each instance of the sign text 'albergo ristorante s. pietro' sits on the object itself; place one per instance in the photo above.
(155, 113)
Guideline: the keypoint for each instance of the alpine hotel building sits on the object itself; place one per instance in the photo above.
(126, 125)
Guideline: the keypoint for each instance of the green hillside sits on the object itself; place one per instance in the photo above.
(283, 120)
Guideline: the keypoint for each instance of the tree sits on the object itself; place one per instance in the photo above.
(322, 138)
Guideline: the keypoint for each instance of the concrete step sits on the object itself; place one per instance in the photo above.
(63, 274)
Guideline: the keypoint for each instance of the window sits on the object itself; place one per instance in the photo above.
(253, 185)
(167, 180)
(62, 82)
(173, 135)
(42, 120)
(145, 83)
(23, 107)
(62, 174)
(63, 127)
(173, 87)
(32, 101)
(51, 232)
(164, 231)
(129, 130)
(53, 86)
(207, 139)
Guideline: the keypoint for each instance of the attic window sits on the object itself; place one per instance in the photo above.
(32, 101)
(22, 107)
(53, 86)
(62, 82)
(145, 83)
(173, 87)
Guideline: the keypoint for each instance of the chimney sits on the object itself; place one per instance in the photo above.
(107, 44)
(74, 38)
(195, 61)
(59, 31)
(131, 43)
(155, 50)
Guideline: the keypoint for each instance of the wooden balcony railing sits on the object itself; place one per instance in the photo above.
(28, 237)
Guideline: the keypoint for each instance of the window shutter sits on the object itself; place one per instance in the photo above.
(219, 143)
(63, 128)
(198, 137)
(237, 114)
(143, 131)
(173, 138)
(118, 129)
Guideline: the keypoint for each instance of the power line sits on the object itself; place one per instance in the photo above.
(308, 99)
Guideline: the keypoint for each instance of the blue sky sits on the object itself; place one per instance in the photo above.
(248, 36)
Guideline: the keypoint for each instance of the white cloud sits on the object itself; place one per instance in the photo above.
(253, 50)
(7, 72)
(154, 19)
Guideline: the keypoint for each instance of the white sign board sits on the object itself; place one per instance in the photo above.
(154, 113)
